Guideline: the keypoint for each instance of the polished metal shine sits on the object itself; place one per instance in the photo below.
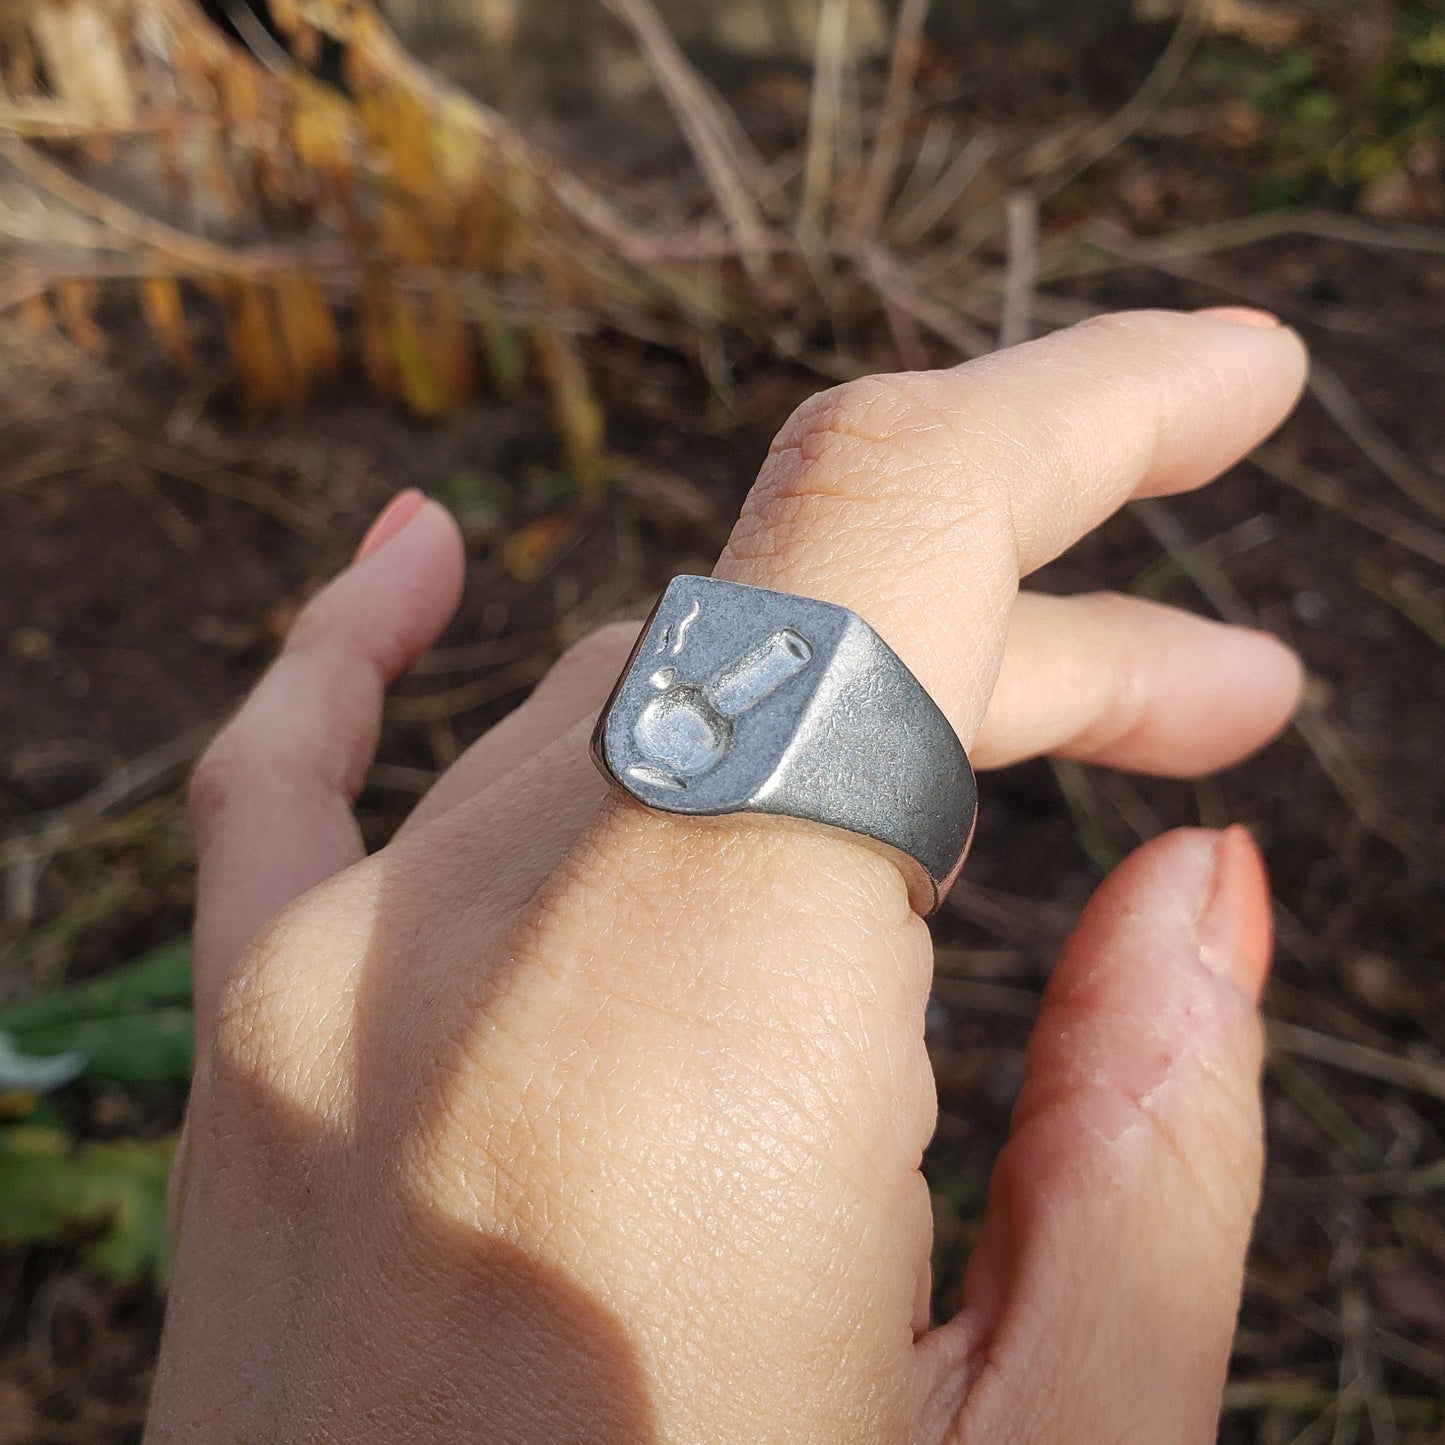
(741, 700)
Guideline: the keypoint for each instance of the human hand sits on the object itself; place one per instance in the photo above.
(558, 1119)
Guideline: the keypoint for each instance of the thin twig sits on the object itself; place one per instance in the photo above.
(1093, 249)
(1370, 1184)
(1328, 388)
(911, 226)
(122, 220)
(215, 477)
(433, 707)
(1407, 597)
(26, 852)
(1237, 231)
(824, 121)
(993, 998)
(893, 282)
(468, 656)
(1194, 561)
(1022, 268)
(39, 118)
(1293, 1039)
(882, 165)
(1316, 1317)
(727, 158)
(1188, 30)
(987, 965)
(1327, 491)
(1054, 175)
(1319, 734)
(1417, 1075)
(930, 165)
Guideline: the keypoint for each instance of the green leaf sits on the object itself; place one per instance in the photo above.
(115, 1190)
(133, 1026)
(160, 978)
(40, 1072)
(151, 1047)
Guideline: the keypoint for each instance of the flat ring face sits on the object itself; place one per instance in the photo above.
(738, 699)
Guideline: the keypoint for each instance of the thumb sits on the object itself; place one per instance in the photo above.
(1101, 1300)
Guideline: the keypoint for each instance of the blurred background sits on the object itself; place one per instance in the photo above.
(566, 266)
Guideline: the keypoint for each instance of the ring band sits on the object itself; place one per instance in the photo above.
(738, 699)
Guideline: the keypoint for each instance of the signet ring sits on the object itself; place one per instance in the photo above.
(739, 699)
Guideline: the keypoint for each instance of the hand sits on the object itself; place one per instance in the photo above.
(561, 1120)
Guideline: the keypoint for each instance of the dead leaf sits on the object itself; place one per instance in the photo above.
(527, 553)
(76, 301)
(256, 344)
(36, 315)
(161, 297)
(308, 331)
(580, 420)
(84, 62)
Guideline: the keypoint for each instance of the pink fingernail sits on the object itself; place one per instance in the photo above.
(1234, 930)
(391, 519)
(1243, 316)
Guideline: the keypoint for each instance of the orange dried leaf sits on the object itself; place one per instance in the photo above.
(256, 345)
(402, 234)
(306, 44)
(308, 330)
(580, 420)
(75, 301)
(451, 344)
(479, 229)
(527, 553)
(36, 315)
(165, 311)
(286, 15)
(323, 137)
(419, 381)
(374, 318)
(241, 100)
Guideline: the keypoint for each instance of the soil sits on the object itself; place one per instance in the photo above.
(156, 537)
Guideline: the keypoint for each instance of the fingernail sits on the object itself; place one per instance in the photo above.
(1234, 931)
(1243, 316)
(391, 519)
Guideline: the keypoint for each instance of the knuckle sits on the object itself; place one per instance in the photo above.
(212, 792)
(889, 453)
(833, 440)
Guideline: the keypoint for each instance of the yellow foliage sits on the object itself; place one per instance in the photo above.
(402, 201)
(257, 344)
(308, 329)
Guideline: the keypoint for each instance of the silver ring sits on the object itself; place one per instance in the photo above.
(737, 699)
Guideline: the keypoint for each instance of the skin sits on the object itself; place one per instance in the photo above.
(557, 1120)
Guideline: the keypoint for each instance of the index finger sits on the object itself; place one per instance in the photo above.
(920, 499)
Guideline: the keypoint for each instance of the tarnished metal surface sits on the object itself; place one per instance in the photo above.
(742, 700)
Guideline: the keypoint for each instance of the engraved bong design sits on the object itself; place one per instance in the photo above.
(686, 732)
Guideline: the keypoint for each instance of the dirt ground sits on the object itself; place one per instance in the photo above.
(156, 536)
